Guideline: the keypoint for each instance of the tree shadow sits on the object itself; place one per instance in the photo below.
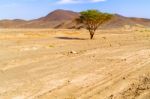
(70, 38)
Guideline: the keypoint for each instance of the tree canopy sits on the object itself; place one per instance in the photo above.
(93, 19)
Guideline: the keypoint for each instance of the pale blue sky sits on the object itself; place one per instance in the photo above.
(31, 9)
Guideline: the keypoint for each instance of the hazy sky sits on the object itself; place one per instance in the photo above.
(31, 9)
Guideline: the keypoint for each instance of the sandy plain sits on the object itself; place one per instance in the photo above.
(66, 64)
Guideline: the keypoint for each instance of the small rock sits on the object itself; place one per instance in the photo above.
(73, 52)
(124, 59)
(111, 96)
(130, 88)
(110, 45)
(104, 37)
(68, 81)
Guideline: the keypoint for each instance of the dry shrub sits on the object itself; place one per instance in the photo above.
(141, 85)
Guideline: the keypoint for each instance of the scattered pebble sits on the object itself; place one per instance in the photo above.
(73, 52)
(104, 37)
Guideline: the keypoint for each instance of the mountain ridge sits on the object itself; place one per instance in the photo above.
(66, 19)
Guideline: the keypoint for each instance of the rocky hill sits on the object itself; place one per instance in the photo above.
(66, 19)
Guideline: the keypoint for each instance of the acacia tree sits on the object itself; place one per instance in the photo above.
(92, 19)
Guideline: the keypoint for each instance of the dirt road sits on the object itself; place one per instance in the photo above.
(65, 64)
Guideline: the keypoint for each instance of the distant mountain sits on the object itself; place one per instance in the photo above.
(66, 19)
(12, 23)
(120, 21)
(60, 15)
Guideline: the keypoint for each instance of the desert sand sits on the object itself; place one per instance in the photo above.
(66, 64)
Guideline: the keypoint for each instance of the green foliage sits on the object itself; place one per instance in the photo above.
(93, 19)
(94, 16)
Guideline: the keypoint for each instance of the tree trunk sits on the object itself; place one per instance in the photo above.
(92, 34)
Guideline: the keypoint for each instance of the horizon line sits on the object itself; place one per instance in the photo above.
(24, 19)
